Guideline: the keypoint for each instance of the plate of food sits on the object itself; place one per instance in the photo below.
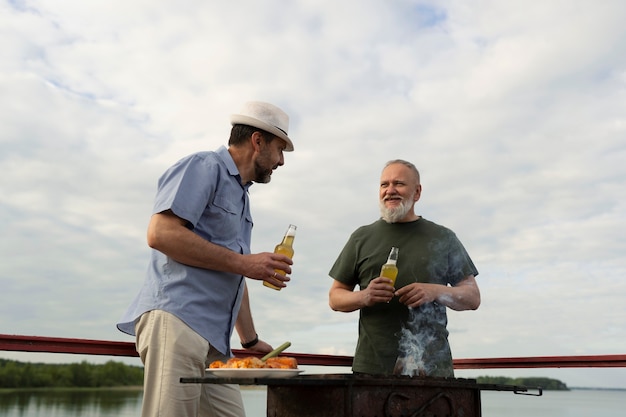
(252, 367)
(252, 372)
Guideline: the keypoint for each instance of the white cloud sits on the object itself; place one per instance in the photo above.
(513, 111)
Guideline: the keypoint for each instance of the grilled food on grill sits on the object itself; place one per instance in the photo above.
(250, 362)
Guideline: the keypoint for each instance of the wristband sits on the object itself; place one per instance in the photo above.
(251, 343)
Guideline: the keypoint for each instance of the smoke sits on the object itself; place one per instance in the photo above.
(420, 343)
(423, 348)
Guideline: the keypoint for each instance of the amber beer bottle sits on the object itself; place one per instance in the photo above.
(284, 248)
(390, 270)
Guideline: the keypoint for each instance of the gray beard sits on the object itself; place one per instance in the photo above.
(394, 215)
(262, 175)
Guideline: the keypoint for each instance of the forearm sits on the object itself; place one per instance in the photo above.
(244, 324)
(346, 300)
(167, 234)
(464, 296)
(343, 298)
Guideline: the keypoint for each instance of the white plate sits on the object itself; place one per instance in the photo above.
(252, 372)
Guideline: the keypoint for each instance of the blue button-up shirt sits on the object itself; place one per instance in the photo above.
(205, 189)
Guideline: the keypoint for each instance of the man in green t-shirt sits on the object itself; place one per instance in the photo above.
(402, 330)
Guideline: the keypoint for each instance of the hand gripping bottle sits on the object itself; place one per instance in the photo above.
(284, 248)
(390, 270)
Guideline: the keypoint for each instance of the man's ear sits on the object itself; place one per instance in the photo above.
(256, 140)
(418, 193)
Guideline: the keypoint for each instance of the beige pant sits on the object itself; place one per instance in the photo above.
(169, 350)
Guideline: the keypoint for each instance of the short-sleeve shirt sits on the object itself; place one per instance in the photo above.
(428, 253)
(204, 189)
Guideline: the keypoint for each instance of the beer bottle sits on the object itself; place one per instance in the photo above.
(284, 248)
(389, 269)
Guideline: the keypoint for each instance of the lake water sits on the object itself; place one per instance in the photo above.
(127, 403)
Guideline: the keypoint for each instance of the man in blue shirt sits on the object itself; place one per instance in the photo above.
(195, 293)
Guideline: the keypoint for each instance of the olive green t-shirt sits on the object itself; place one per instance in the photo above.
(428, 253)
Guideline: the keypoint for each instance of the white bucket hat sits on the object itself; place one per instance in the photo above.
(265, 116)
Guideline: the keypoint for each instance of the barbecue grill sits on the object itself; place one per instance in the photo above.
(356, 395)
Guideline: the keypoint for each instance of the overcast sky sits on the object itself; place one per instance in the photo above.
(513, 111)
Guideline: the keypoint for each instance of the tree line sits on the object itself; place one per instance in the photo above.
(15, 374)
(545, 383)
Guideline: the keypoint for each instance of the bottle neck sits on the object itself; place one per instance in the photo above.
(291, 232)
(289, 236)
(393, 256)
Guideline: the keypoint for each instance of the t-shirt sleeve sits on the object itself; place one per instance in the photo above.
(459, 262)
(344, 269)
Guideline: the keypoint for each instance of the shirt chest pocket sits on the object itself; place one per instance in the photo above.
(224, 219)
(226, 205)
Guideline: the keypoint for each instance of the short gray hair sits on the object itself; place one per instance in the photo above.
(406, 164)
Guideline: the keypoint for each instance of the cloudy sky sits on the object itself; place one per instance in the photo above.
(514, 112)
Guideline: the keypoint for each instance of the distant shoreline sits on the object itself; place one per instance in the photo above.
(116, 388)
(47, 389)
(28, 376)
(596, 389)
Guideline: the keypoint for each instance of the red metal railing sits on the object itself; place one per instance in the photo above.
(19, 343)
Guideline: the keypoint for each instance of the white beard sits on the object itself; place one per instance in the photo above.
(395, 214)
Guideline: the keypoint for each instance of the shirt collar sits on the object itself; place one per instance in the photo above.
(230, 165)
